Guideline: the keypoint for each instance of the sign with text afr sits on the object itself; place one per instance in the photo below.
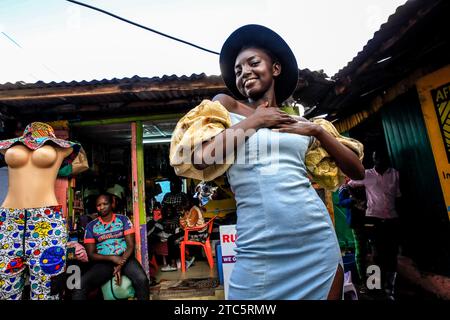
(434, 94)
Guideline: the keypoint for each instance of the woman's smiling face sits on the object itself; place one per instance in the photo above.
(255, 72)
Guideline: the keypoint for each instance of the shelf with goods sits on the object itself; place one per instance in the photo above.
(75, 205)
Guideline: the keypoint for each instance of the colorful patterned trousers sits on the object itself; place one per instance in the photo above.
(32, 240)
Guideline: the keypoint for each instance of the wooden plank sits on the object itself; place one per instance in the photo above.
(154, 117)
(140, 170)
(61, 187)
(141, 195)
(135, 192)
(107, 89)
(112, 108)
(70, 211)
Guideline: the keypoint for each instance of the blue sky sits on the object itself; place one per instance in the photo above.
(60, 41)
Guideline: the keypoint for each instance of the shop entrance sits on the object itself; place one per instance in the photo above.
(131, 159)
(115, 152)
(109, 152)
(112, 150)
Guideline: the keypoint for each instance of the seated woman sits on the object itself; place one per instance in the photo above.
(192, 217)
(158, 232)
(109, 242)
(167, 229)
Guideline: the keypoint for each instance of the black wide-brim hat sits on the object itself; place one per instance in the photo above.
(260, 37)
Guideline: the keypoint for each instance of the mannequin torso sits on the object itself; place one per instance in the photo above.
(32, 175)
(33, 231)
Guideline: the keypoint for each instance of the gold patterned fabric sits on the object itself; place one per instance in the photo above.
(199, 125)
(321, 166)
(210, 118)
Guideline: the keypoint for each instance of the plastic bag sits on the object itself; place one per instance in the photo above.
(80, 163)
(111, 291)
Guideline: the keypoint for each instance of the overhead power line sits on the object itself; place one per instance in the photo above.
(10, 38)
(141, 26)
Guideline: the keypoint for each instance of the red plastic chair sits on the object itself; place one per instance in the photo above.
(205, 245)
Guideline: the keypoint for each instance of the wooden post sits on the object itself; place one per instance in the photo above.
(135, 193)
(70, 210)
(139, 218)
(141, 193)
(61, 190)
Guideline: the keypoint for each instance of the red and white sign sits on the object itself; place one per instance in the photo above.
(227, 242)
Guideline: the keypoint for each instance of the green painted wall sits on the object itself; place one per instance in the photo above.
(425, 226)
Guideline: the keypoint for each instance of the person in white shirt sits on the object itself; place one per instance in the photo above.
(383, 194)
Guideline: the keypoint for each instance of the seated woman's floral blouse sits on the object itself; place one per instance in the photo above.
(109, 237)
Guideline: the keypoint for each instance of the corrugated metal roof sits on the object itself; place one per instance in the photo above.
(156, 90)
(117, 96)
(412, 43)
(114, 81)
(387, 30)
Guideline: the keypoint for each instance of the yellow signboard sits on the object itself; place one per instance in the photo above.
(434, 93)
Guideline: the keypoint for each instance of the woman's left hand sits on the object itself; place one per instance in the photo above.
(118, 278)
(302, 127)
(117, 274)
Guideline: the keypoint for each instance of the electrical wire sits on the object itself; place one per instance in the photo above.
(141, 26)
(12, 40)
(18, 45)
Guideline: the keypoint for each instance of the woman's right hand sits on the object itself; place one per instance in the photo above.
(268, 117)
(118, 260)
